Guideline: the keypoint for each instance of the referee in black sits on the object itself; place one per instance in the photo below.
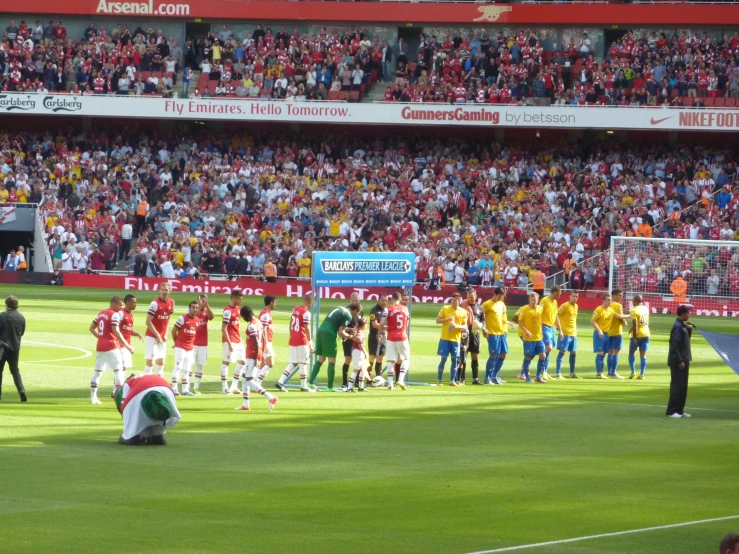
(12, 328)
(679, 358)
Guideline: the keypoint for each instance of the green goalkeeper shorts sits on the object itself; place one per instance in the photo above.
(326, 344)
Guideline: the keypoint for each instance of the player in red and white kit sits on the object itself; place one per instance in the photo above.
(126, 327)
(265, 317)
(301, 345)
(183, 334)
(201, 340)
(359, 358)
(105, 328)
(157, 323)
(233, 348)
(397, 340)
(254, 355)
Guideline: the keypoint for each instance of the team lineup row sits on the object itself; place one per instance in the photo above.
(367, 342)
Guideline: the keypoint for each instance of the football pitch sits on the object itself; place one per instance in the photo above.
(574, 466)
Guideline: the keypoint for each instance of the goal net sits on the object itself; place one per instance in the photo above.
(670, 272)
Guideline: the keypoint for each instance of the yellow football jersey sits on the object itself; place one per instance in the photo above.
(568, 319)
(531, 319)
(640, 314)
(603, 318)
(549, 315)
(496, 317)
(616, 324)
(460, 318)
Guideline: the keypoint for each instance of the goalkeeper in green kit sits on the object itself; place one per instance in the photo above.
(335, 325)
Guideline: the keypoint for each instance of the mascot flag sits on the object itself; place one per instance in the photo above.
(725, 345)
(148, 407)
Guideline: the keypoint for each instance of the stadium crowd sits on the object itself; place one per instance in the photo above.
(474, 212)
(638, 70)
(42, 58)
(649, 69)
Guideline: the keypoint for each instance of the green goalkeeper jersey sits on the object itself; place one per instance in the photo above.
(337, 318)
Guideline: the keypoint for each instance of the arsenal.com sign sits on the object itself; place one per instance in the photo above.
(382, 113)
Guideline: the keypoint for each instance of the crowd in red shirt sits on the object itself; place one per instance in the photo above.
(230, 203)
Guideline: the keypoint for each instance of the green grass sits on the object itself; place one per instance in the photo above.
(428, 470)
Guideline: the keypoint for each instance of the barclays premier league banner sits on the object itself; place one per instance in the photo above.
(390, 269)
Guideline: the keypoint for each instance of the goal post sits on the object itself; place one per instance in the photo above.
(668, 272)
(359, 270)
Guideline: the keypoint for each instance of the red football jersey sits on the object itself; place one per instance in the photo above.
(161, 310)
(188, 328)
(397, 323)
(254, 330)
(126, 325)
(299, 325)
(201, 337)
(358, 340)
(266, 318)
(231, 318)
(106, 321)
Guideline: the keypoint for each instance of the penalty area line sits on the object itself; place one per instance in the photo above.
(85, 353)
(605, 535)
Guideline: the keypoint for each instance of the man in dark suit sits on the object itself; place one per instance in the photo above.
(679, 358)
(12, 329)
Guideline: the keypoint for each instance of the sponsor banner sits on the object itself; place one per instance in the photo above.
(396, 12)
(250, 287)
(705, 306)
(7, 215)
(487, 115)
(390, 269)
(725, 307)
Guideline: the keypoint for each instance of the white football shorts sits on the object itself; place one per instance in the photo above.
(299, 354)
(396, 350)
(235, 355)
(201, 355)
(154, 350)
(108, 360)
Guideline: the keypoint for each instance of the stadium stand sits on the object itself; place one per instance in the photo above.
(467, 66)
(203, 200)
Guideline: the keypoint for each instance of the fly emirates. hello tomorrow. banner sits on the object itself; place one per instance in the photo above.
(477, 115)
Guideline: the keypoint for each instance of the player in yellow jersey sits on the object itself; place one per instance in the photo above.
(496, 331)
(529, 320)
(453, 320)
(550, 322)
(639, 336)
(568, 335)
(601, 321)
(615, 336)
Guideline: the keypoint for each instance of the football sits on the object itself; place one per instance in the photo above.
(378, 381)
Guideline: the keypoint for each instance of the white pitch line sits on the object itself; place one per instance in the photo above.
(581, 401)
(604, 535)
(85, 353)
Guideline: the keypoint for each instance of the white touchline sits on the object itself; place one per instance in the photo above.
(581, 401)
(85, 353)
(604, 535)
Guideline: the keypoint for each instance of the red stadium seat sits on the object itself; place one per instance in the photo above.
(731, 102)
(719, 102)
(334, 95)
(709, 102)
(354, 95)
(687, 101)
